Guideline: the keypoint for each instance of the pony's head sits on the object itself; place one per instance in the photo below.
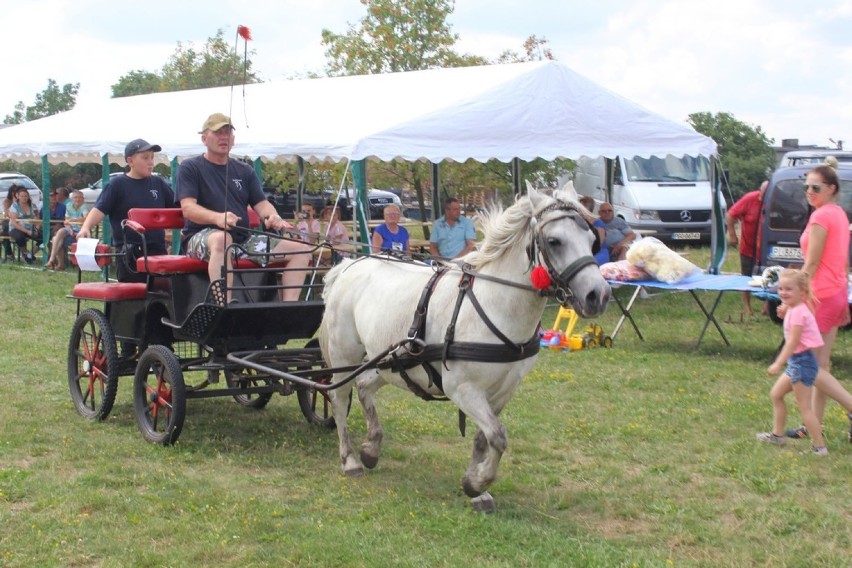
(562, 243)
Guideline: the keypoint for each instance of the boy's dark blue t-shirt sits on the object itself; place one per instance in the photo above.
(124, 193)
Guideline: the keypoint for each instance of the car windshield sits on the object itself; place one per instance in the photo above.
(670, 168)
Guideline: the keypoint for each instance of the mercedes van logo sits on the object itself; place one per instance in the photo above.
(685, 216)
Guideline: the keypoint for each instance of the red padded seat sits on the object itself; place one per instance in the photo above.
(170, 264)
(180, 264)
(110, 291)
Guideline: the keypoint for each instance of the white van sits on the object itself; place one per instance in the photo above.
(669, 197)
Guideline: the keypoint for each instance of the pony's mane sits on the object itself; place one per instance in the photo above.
(507, 229)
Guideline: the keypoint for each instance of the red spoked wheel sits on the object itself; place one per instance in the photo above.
(92, 365)
(159, 396)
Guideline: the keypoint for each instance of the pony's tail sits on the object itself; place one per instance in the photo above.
(331, 276)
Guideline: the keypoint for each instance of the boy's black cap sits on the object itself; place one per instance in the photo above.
(139, 145)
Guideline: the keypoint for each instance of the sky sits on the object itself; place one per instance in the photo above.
(782, 65)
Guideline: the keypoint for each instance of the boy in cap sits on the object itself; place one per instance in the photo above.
(138, 188)
(214, 191)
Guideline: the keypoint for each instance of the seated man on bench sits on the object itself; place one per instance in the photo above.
(214, 190)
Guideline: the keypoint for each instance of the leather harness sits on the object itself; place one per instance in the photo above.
(416, 352)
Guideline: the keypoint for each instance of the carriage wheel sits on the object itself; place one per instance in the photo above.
(159, 396)
(248, 378)
(92, 365)
(316, 405)
(607, 341)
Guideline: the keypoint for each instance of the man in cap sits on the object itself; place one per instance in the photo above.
(138, 188)
(214, 191)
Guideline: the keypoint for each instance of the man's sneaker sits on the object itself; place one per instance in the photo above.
(797, 433)
(823, 451)
(29, 258)
(772, 438)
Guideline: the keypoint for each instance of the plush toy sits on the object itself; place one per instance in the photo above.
(623, 271)
(660, 261)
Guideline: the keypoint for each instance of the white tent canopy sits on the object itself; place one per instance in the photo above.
(524, 110)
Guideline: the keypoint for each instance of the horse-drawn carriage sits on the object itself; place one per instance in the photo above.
(177, 337)
(466, 332)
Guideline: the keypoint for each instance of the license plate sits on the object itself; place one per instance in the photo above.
(686, 236)
(786, 253)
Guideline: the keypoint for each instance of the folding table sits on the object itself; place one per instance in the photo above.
(720, 283)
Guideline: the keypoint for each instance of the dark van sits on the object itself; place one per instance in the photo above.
(786, 212)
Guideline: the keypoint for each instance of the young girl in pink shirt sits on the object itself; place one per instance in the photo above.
(801, 336)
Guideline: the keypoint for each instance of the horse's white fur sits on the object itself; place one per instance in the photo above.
(370, 305)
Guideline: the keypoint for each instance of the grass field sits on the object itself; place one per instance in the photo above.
(640, 455)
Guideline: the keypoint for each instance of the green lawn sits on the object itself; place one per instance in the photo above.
(640, 455)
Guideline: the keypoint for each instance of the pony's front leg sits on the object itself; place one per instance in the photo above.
(368, 384)
(340, 407)
(489, 443)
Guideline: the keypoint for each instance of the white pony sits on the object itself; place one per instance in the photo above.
(370, 304)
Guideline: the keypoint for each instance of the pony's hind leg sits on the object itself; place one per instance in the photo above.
(368, 384)
(340, 406)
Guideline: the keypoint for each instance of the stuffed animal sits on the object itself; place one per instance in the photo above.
(660, 261)
(623, 271)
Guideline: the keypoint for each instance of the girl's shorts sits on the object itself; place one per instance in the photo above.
(802, 367)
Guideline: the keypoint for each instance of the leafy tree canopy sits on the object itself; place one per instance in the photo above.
(744, 150)
(396, 35)
(52, 100)
(215, 65)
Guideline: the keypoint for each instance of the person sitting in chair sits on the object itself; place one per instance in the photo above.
(619, 235)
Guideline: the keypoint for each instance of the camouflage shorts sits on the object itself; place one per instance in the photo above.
(255, 247)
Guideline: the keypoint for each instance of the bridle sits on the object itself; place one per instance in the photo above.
(537, 251)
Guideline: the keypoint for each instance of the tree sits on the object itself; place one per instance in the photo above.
(216, 65)
(50, 101)
(137, 82)
(744, 150)
(396, 35)
(535, 49)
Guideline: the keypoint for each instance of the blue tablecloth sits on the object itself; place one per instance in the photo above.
(717, 282)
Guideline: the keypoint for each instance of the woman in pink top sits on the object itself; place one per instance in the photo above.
(825, 242)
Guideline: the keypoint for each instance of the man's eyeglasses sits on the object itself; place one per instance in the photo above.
(817, 187)
(604, 210)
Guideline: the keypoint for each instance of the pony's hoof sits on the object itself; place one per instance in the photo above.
(484, 503)
(469, 489)
(369, 461)
(354, 472)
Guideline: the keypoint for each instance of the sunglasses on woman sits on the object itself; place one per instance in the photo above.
(817, 187)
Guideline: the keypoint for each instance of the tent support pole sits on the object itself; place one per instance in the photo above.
(300, 188)
(45, 206)
(361, 210)
(105, 226)
(517, 187)
(436, 191)
(718, 242)
(175, 232)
